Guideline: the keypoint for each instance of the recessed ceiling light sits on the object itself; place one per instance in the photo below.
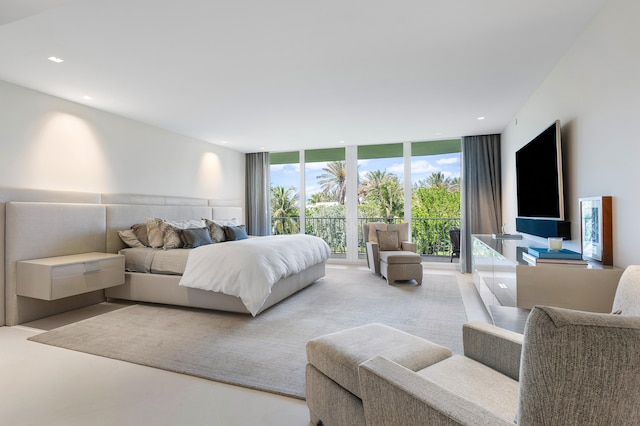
(54, 59)
(341, 141)
(87, 97)
(225, 142)
(262, 149)
(481, 118)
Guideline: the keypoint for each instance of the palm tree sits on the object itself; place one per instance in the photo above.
(333, 181)
(372, 180)
(319, 197)
(438, 180)
(389, 197)
(284, 210)
(454, 184)
(385, 191)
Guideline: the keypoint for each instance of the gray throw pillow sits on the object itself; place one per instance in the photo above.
(388, 240)
(140, 231)
(171, 238)
(195, 237)
(129, 238)
(235, 232)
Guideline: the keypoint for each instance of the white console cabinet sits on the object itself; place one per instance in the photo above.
(53, 278)
(502, 278)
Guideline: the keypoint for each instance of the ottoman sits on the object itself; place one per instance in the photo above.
(332, 383)
(400, 266)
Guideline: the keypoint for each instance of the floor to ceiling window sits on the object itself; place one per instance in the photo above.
(285, 192)
(435, 180)
(417, 182)
(380, 186)
(325, 196)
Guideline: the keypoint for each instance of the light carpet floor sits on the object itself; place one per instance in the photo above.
(267, 352)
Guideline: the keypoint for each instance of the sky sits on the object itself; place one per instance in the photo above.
(288, 175)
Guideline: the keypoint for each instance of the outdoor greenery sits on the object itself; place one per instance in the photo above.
(435, 200)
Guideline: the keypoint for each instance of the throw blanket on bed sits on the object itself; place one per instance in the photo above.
(249, 268)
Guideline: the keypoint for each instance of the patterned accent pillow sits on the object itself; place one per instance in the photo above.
(195, 237)
(389, 240)
(153, 232)
(170, 236)
(140, 231)
(235, 233)
(216, 231)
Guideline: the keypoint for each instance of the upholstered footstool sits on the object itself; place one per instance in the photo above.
(401, 266)
(332, 383)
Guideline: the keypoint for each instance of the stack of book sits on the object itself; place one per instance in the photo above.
(543, 256)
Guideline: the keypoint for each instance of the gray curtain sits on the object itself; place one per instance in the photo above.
(481, 201)
(258, 190)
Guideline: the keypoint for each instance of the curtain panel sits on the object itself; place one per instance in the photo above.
(481, 198)
(258, 190)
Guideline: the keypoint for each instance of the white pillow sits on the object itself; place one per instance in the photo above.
(227, 222)
(186, 224)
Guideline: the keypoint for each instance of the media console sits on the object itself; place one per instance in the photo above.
(544, 227)
(502, 278)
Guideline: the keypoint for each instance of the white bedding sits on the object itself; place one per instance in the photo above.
(249, 268)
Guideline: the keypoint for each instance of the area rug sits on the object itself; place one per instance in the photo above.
(267, 352)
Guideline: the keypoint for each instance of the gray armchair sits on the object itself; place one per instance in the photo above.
(390, 253)
(569, 368)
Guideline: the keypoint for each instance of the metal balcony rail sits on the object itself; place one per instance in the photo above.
(430, 234)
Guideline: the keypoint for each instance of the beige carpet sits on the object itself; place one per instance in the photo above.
(267, 352)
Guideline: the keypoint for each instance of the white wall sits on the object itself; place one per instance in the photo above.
(595, 92)
(50, 143)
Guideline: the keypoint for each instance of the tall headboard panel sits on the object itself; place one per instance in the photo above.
(122, 216)
(24, 194)
(36, 230)
(155, 200)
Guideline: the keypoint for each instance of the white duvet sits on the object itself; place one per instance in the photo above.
(249, 268)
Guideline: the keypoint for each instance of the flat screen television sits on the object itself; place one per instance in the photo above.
(539, 176)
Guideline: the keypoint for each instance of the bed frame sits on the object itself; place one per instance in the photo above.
(51, 223)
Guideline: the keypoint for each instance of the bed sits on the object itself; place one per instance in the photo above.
(247, 275)
(258, 272)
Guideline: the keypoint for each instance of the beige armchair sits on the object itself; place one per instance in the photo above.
(390, 252)
(569, 368)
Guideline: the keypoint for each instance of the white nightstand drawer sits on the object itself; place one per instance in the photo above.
(57, 277)
(85, 266)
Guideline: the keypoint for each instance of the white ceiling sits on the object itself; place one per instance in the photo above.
(289, 74)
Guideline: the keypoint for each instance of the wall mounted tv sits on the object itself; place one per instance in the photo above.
(539, 176)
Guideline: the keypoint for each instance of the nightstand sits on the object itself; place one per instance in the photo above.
(53, 278)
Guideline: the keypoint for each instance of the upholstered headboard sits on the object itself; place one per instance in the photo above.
(39, 224)
(20, 194)
(36, 230)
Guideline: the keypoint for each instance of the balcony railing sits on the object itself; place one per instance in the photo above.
(430, 234)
